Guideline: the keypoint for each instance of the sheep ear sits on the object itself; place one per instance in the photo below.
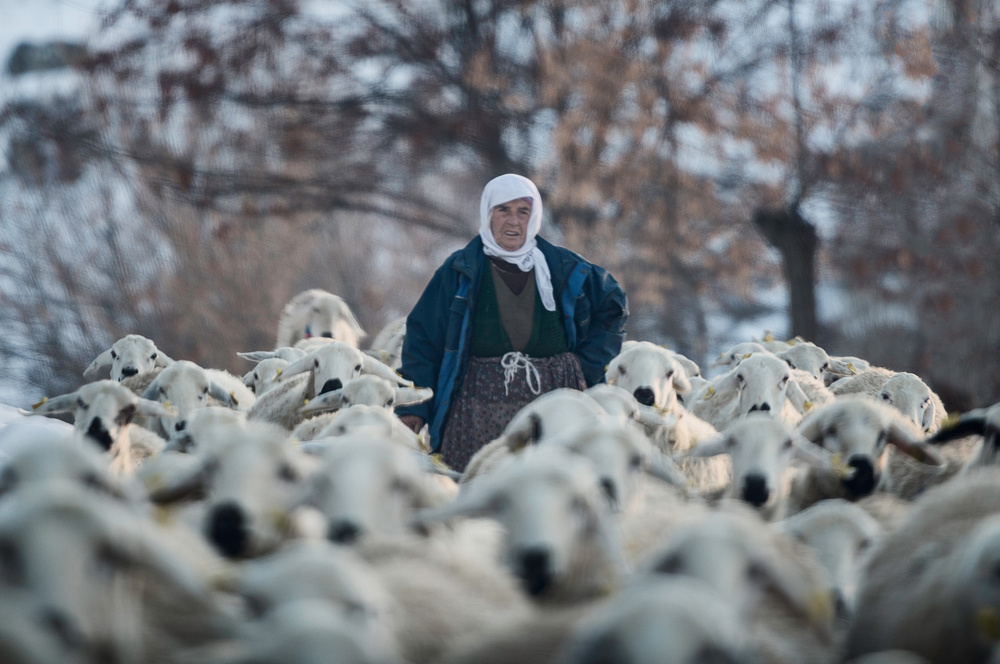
(353, 322)
(61, 404)
(333, 400)
(813, 601)
(928, 419)
(184, 484)
(811, 428)
(150, 408)
(258, 355)
(162, 360)
(473, 502)
(839, 367)
(724, 389)
(220, 394)
(795, 394)
(681, 382)
(613, 372)
(407, 396)
(372, 366)
(805, 450)
(301, 365)
(666, 469)
(102, 361)
(527, 432)
(972, 423)
(690, 367)
(903, 440)
(714, 446)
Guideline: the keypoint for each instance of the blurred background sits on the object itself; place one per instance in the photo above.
(181, 168)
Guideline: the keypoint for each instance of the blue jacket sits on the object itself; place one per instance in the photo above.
(436, 345)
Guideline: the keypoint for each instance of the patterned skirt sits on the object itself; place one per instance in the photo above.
(493, 391)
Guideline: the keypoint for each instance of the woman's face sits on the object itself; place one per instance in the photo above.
(509, 223)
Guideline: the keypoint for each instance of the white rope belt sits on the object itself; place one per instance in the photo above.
(512, 362)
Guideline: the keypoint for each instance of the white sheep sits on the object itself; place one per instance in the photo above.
(904, 391)
(651, 373)
(324, 369)
(373, 420)
(265, 375)
(667, 621)
(318, 313)
(561, 538)
(931, 585)
(773, 581)
(762, 451)
(730, 359)
(858, 432)
(843, 536)
(62, 459)
(187, 388)
(368, 485)
(980, 422)
(760, 382)
(105, 577)
(103, 413)
(812, 359)
(251, 478)
(131, 355)
(387, 346)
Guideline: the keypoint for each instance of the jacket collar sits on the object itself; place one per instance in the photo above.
(471, 258)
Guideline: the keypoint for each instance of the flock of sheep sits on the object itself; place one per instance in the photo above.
(796, 508)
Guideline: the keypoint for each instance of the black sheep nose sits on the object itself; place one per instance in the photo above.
(99, 433)
(755, 490)
(331, 385)
(862, 481)
(343, 532)
(610, 492)
(766, 407)
(180, 425)
(328, 335)
(536, 574)
(644, 395)
(228, 530)
(129, 371)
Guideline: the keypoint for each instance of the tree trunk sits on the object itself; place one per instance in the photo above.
(795, 238)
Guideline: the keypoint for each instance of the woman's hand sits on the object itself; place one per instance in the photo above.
(413, 422)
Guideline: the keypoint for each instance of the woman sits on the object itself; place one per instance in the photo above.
(503, 320)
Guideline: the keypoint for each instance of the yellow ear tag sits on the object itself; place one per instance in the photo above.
(807, 406)
(768, 337)
(988, 622)
(305, 402)
(840, 469)
(709, 393)
(41, 403)
(792, 342)
(277, 372)
(819, 607)
(746, 355)
(166, 404)
(850, 367)
(281, 520)
(439, 463)
(950, 421)
(232, 397)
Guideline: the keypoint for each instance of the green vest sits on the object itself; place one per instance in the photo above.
(489, 339)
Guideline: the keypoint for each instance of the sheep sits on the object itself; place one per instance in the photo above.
(981, 422)
(762, 451)
(374, 420)
(305, 632)
(367, 485)
(103, 412)
(930, 586)
(561, 540)
(904, 391)
(549, 415)
(265, 375)
(387, 346)
(104, 577)
(774, 582)
(131, 355)
(251, 477)
(651, 373)
(854, 366)
(48, 459)
(857, 431)
(668, 621)
(187, 388)
(318, 313)
(760, 382)
(621, 403)
(813, 360)
(842, 536)
(730, 359)
(324, 369)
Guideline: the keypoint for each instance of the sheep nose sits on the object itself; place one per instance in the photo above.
(644, 395)
(610, 492)
(228, 530)
(181, 425)
(766, 407)
(331, 385)
(755, 490)
(843, 612)
(328, 335)
(99, 433)
(862, 481)
(343, 532)
(129, 371)
(536, 574)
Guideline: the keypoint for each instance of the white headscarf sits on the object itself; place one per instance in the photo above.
(502, 190)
